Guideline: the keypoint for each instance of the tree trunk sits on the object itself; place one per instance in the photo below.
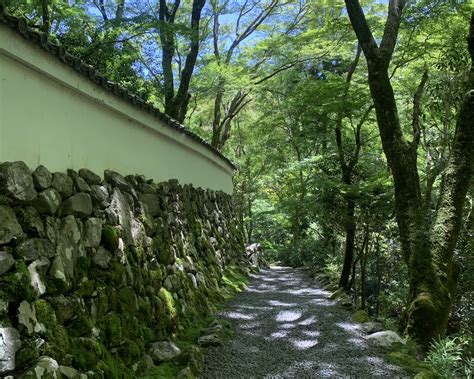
(430, 260)
(350, 229)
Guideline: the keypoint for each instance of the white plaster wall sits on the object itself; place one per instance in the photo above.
(51, 115)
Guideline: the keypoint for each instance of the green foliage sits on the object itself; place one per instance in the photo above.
(448, 357)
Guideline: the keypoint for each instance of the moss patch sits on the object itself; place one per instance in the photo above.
(360, 316)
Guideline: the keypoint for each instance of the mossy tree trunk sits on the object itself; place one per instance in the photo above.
(427, 250)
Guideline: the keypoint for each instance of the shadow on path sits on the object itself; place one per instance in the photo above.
(286, 327)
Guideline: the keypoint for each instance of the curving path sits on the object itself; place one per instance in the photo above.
(286, 327)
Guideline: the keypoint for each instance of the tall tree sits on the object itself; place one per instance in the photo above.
(427, 249)
(176, 102)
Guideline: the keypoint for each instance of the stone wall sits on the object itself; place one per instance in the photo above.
(93, 271)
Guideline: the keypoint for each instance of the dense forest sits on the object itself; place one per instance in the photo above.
(351, 123)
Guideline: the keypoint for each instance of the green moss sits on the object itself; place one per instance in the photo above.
(169, 301)
(360, 316)
(16, 284)
(127, 301)
(111, 367)
(45, 314)
(82, 267)
(405, 356)
(164, 371)
(27, 355)
(130, 352)
(110, 238)
(57, 345)
(81, 326)
(86, 353)
(86, 289)
(111, 328)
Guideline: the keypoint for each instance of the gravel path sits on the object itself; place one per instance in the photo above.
(286, 327)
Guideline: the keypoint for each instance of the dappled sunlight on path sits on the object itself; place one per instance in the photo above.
(286, 327)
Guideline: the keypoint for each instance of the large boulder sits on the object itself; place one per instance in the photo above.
(42, 178)
(164, 351)
(63, 184)
(384, 338)
(152, 201)
(90, 177)
(16, 182)
(34, 248)
(9, 225)
(102, 257)
(100, 196)
(117, 180)
(120, 214)
(46, 368)
(37, 269)
(47, 201)
(10, 343)
(79, 205)
(6, 262)
(92, 232)
(27, 319)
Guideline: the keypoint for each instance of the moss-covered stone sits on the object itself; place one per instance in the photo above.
(360, 316)
(112, 330)
(110, 238)
(86, 353)
(16, 286)
(80, 326)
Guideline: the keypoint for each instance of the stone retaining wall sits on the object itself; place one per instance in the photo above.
(93, 271)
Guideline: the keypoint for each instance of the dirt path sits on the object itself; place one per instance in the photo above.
(286, 327)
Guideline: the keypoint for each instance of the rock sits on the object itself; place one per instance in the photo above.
(102, 257)
(185, 373)
(69, 372)
(164, 351)
(152, 201)
(79, 205)
(385, 338)
(100, 196)
(6, 262)
(209, 340)
(62, 268)
(79, 184)
(90, 177)
(27, 319)
(193, 280)
(63, 184)
(47, 202)
(372, 327)
(34, 248)
(10, 343)
(16, 182)
(9, 226)
(46, 368)
(42, 178)
(30, 221)
(117, 180)
(92, 232)
(120, 214)
(36, 269)
(360, 316)
(193, 358)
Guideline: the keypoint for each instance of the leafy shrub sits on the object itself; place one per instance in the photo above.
(446, 356)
